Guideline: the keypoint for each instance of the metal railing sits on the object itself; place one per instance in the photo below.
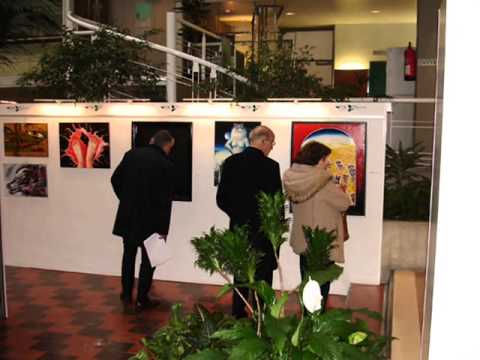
(198, 65)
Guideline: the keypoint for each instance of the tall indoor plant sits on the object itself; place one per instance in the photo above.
(84, 69)
(269, 333)
(406, 211)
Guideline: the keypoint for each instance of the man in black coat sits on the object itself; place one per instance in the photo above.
(144, 185)
(243, 177)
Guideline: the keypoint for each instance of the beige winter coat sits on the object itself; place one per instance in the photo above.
(317, 201)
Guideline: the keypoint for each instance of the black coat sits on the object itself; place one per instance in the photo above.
(143, 184)
(243, 177)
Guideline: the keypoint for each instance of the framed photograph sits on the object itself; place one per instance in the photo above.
(84, 145)
(25, 179)
(181, 155)
(25, 139)
(230, 138)
(348, 159)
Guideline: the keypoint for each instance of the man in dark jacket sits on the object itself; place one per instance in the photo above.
(243, 177)
(143, 183)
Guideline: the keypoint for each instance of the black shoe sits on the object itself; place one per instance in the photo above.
(146, 304)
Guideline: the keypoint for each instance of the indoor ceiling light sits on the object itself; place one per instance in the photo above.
(290, 13)
(375, 11)
(228, 11)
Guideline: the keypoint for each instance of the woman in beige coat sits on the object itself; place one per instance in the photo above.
(317, 201)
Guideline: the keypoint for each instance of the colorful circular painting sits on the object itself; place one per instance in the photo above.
(343, 157)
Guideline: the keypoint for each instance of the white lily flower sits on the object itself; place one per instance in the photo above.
(312, 298)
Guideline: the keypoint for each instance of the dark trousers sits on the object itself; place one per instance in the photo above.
(128, 271)
(263, 272)
(324, 289)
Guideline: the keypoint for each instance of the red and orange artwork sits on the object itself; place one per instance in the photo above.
(84, 145)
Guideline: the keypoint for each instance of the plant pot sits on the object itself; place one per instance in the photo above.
(404, 246)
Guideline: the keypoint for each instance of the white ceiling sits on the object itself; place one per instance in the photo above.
(331, 12)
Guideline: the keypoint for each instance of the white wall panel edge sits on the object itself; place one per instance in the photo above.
(71, 229)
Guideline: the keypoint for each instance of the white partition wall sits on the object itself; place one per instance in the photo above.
(70, 230)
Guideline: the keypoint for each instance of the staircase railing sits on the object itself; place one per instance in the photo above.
(172, 77)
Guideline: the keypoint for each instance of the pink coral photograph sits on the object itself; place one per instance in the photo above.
(84, 145)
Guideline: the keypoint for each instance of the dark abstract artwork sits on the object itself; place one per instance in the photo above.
(84, 145)
(25, 179)
(23, 139)
(348, 157)
(181, 154)
(230, 138)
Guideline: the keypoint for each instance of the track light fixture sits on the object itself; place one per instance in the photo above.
(252, 107)
(348, 107)
(11, 105)
(171, 107)
(94, 107)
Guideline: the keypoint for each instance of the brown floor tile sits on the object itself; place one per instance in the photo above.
(61, 315)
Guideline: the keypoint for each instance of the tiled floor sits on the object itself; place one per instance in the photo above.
(59, 315)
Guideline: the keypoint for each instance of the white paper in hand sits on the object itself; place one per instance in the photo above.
(157, 249)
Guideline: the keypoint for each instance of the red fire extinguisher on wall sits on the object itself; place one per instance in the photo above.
(410, 58)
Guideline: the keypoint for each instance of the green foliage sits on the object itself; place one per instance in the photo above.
(407, 193)
(334, 335)
(280, 71)
(274, 225)
(184, 335)
(320, 245)
(227, 252)
(21, 19)
(203, 335)
(93, 70)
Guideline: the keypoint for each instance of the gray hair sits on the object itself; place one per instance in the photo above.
(261, 132)
(161, 138)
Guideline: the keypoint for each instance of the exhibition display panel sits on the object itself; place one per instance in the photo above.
(58, 207)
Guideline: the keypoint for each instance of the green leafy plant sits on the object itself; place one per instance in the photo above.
(280, 71)
(269, 334)
(20, 19)
(275, 72)
(320, 244)
(407, 193)
(94, 70)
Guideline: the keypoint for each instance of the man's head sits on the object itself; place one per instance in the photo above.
(164, 140)
(262, 138)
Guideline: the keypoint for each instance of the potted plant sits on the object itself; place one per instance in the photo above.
(406, 209)
(269, 333)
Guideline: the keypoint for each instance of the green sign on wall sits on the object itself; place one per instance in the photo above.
(143, 11)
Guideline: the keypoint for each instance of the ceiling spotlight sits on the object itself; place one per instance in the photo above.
(375, 11)
(290, 13)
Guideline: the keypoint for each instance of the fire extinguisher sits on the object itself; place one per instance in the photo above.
(410, 58)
